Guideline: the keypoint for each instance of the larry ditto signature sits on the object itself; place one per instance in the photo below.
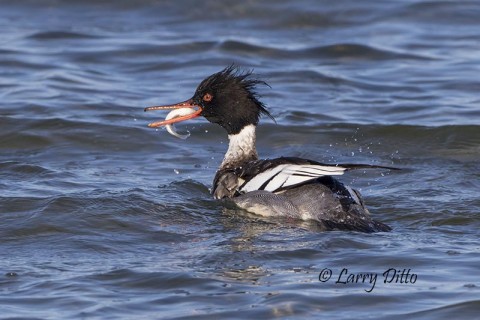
(391, 275)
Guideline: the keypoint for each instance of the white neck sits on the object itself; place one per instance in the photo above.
(241, 148)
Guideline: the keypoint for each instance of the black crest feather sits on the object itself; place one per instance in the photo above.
(233, 74)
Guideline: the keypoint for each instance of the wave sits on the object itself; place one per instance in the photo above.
(60, 35)
(334, 51)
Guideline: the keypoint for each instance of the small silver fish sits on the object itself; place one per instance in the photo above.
(178, 113)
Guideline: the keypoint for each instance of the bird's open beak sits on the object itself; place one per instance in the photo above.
(186, 104)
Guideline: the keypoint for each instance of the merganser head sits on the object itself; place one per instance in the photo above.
(227, 98)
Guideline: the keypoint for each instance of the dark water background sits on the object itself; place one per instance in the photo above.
(104, 218)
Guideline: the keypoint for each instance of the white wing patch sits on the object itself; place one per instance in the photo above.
(286, 175)
(256, 182)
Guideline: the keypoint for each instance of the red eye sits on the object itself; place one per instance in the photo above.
(207, 97)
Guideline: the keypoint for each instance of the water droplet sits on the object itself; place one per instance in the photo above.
(134, 119)
(353, 153)
(206, 131)
(176, 171)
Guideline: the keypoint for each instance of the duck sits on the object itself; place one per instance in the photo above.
(289, 187)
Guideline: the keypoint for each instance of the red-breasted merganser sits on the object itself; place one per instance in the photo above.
(287, 186)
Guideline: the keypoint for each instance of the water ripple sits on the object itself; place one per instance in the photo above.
(59, 35)
(103, 217)
(334, 51)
